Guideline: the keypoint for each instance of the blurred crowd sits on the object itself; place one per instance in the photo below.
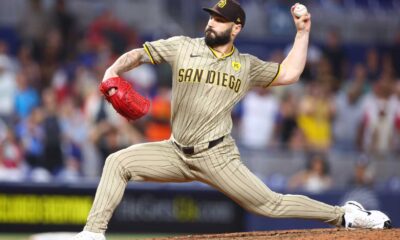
(351, 109)
(337, 105)
(53, 121)
(54, 124)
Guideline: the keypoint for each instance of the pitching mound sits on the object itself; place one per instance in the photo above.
(313, 234)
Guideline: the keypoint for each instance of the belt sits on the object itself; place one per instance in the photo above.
(190, 150)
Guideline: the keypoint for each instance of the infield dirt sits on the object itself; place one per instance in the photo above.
(314, 234)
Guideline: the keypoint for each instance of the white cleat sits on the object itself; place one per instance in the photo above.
(86, 235)
(356, 216)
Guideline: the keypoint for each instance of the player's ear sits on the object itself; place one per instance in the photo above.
(236, 29)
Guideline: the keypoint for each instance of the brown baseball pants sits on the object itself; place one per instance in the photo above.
(219, 167)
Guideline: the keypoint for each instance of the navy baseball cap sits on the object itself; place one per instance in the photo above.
(229, 9)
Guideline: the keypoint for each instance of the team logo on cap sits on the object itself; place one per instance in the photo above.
(221, 3)
(236, 66)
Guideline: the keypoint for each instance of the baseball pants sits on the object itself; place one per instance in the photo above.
(219, 167)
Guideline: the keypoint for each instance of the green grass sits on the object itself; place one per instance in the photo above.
(109, 236)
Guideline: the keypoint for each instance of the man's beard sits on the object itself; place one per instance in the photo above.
(214, 39)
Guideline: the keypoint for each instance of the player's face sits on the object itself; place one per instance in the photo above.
(218, 31)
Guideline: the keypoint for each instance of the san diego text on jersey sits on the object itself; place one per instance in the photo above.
(211, 77)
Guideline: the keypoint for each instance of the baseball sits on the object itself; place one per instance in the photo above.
(300, 10)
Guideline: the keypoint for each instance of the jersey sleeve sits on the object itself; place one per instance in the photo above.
(163, 50)
(262, 73)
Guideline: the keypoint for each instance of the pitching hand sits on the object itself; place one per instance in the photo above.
(302, 23)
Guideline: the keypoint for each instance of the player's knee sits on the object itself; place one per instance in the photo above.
(262, 209)
(115, 163)
(268, 207)
(112, 160)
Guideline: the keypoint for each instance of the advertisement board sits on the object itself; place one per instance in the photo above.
(65, 208)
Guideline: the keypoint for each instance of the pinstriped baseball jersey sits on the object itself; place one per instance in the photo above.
(204, 87)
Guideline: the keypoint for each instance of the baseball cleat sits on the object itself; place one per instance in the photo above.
(356, 216)
(86, 235)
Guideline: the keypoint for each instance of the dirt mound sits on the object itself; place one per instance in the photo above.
(313, 234)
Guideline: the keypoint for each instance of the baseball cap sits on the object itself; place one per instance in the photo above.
(229, 9)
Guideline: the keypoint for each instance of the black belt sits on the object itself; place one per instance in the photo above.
(190, 150)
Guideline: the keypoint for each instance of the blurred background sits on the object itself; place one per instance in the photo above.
(334, 135)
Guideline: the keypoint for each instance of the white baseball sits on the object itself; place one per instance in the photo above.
(300, 10)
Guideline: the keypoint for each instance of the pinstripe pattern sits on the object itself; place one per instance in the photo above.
(205, 89)
(223, 170)
(201, 109)
(155, 161)
(219, 167)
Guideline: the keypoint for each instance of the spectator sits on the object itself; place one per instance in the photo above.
(11, 63)
(348, 115)
(325, 75)
(387, 67)
(74, 132)
(29, 66)
(334, 52)
(359, 77)
(65, 22)
(379, 114)
(61, 85)
(3, 130)
(30, 131)
(33, 26)
(396, 140)
(315, 178)
(94, 105)
(52, 141)
(74, 139)
(363, 176)
(107, 139)
(314, 118)
(11, 158)
(108, 29)
(71, 171)
(8, 89)
(143, 78)
(287, 128)
(26, 98)
(158, 125)
(373, 65)
(97, 110)
(73, 124)
(260, 111)
(53, 56)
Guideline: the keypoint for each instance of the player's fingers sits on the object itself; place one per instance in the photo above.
(292, 10)
(305, 17)
(293, 7)
(112, 91)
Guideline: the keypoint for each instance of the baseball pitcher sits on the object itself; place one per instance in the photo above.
(209, 76)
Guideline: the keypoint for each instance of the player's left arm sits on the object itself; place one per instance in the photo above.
(293, 65)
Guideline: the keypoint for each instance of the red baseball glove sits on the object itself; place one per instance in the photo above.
(126, 101)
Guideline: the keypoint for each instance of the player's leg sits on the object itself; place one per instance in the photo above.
(156, 161)
(223, 169)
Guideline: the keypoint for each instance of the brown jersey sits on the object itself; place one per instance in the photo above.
(205, 88)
